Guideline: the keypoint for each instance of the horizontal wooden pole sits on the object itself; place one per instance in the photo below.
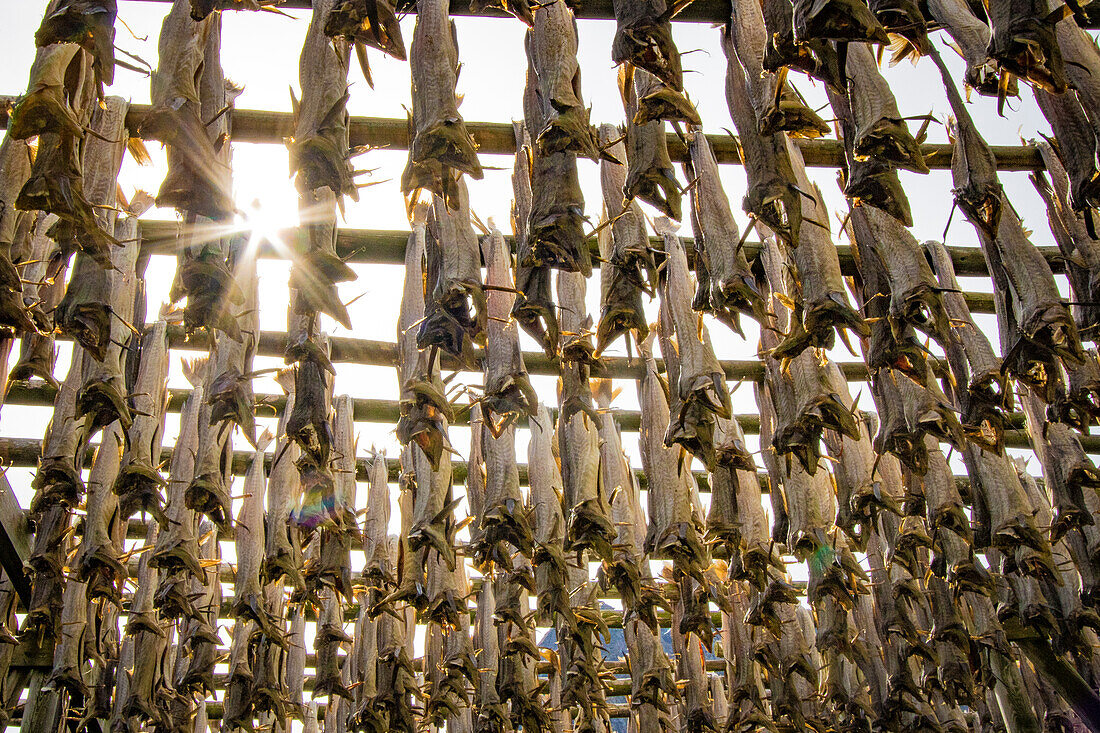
(384, 247)
(701, 11)
(387, 411)
(495, 138)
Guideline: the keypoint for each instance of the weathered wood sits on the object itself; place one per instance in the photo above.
(384, 247)
(387, 411)
(15, 541)
(261, 126)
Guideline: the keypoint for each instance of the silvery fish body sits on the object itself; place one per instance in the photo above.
(881, 131)
(534, 305)
(547, 519)
(508, 389)
(650, 175)
(971, 35)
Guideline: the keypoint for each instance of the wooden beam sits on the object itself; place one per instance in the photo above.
(495, 138)
(15, 542)
(387, 411)
(383, 247)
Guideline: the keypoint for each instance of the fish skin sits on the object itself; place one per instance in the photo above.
(424, 406)
(248, 600)
(880, 130)
(971, 35)
(552, 50)
(671, 531)
(508, 390)
(97, 561)
(621, 311)
(699, 383)
(534, 305)
(91, 23)
(815, 57)
(836, 20)
(643, 38)
(1071, 234)
(44, 109)
(140, 485)
(441, 135)
(1075, 135)
(453, 286)
(201, 640)
(650, 175)
(547, 521)
(503, 526)
(770, 197)
(778, 107)
(195, 181)
(522, 9)
(1023, 41)
(867, 181)
(58, 481)
(905, 19)
(378, 569)
(584, 498)
(973, 363)
(915, 299)
(693, 703)
(371, 22)
(732, 285)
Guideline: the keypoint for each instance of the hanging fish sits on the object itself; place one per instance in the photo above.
(552, 50)
(508, 389)
(584, 501)
(547, 521)
(248, 601)
(453, 287)
(732, 286)
(98, 561)
(816, 57)
(628, 268)
(91, 23)
(650, 175)
(971, 38)
(1073, 240)
(671, 531)
(534, 308)
(140, 485)
(836, 20)
(880, 130)
(196, 181)
(867, 180)
(201, 641)
(777, 105)
(771, 196)
(1023, 41)
(440, 141)
(643, 38)
(238, 712)
(369, 22)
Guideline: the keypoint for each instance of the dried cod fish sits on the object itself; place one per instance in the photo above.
(378, 570)
(553, 235)
(700, 384)
(330, 637)
(367, 22)
(282, 551)
(453, 285)
(650, 175)
(503, 527)
(248, 600)
(202, 639)
(196, 180)
(771, 197)
(522, 9)
(816, 57)
(1035, 324)
(976, 368)
(534, 306)
(440, 141)
(140, 485)
(836, 20)
(424, 406)
(508, 390)
(1071, 234)
(584, 500)
(395, 677)
(1023, 41)
(52, 102)
(971, 37)
(98, 563)
(643, 38)
(732, 285)
(552, 49)
(628, 268)
(778, 106)
(91, 23)
(547, 520)
(627, 571)
(880, 130)
(672, 531)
